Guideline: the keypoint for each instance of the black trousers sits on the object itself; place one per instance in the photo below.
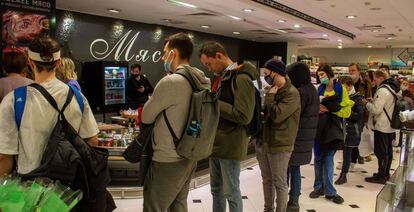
(355, 154)
(383, 151)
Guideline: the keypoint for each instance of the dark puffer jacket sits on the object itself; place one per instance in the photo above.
(300, 77)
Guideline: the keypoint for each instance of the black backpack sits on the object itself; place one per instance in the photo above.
(254, 127)
(69, 159)
(399, 106)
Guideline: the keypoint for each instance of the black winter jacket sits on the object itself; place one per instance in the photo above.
(355, 122)
(302, 153)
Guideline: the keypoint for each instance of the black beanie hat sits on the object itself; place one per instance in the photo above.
(299, 74)
(276, 66)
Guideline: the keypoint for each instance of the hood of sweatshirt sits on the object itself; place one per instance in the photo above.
(200, 79)
(245, 68)
(393, 84)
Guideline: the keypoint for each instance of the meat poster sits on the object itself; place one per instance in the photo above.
(19, 28)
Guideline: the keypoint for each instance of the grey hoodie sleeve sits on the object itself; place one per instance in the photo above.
(158, 101)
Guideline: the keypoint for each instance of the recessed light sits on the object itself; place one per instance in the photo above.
(182, 4)
(281, 21)
(339, 40)
(350, 16)
(339, 47)
(205, 26)
(296, 25)
(369, 46)
(375, 30)
(236, 33)
(248, 10)
(114, 10)
(325, 35)
(234, 17)
(390, 38)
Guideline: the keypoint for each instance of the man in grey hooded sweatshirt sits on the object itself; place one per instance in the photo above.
(167, 183)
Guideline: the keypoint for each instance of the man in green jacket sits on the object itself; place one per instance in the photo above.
(282, 113)
(237, 101)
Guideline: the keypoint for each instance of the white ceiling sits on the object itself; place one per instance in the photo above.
(396, 16)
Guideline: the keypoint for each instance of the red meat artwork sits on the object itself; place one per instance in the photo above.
(21, 28)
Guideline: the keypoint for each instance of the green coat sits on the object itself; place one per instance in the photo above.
(282, 114)
(235, 111)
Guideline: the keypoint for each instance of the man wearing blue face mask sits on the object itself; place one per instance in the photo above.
(167, 183)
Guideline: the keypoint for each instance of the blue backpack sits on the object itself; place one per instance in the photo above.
(20, 102)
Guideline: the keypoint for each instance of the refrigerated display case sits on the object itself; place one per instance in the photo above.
(103, 84)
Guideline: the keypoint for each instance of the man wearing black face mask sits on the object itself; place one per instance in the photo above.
(138, 88)
(268, 77)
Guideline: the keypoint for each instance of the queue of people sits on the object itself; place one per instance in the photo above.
(297, 119)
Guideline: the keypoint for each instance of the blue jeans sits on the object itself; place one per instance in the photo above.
(324, 170)
(225, 185)
(295, 181)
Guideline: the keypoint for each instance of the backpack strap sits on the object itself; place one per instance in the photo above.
(175, 138)
(51, 100)
(78, 97)
(188, 77)
(19, 104)
(395, 99)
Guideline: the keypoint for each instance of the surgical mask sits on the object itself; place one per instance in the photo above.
(404, 87)
(325, 80)
(352, 91)
(354, 77)
(167, 64)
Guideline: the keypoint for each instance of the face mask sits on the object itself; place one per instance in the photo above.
(325, 80)
(404, 87)
(352, 91)
(269, 80)
(354, 77)
(167, 64)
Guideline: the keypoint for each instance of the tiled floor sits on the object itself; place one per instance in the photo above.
(358, 195)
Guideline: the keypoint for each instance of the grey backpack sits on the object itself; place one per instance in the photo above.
(197, 140)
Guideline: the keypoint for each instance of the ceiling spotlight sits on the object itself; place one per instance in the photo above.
(114, 10)
(325, 35)
(296, 26)
(375, 30)
(234, 17)
(205, 26)
(236, 33)
(339, 47)
(350, 16)
(339, 40)
(390, 38)
(248, 10)
(182, 4)
(281, 21)
(369, 46)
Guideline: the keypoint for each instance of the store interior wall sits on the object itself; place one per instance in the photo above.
(87, 37)
(354, 55)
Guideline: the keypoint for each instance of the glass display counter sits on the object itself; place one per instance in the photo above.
(398, 192)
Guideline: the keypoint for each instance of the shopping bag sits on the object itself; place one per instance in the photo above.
(366, 147)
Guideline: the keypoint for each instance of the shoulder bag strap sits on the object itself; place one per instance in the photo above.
(50, 98)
